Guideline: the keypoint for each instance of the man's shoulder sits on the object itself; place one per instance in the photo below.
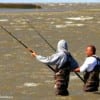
(90, 59)
(96, 57)
(93, 59)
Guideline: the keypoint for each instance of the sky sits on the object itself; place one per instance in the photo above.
(46, 1)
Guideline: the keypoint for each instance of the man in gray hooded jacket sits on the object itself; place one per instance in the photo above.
(64, 63)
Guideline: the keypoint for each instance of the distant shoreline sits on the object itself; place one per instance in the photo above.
(20, 5)
(51, 7)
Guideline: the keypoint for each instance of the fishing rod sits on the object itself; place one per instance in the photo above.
(15, 38)
(50, 45)
(80, 77)
(25, 46)
(40, 35)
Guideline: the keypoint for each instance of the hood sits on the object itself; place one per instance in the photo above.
(62, 46)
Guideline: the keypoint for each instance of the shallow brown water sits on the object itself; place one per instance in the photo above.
(24, 78)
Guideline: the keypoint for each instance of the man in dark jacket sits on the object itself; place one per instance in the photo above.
(64, 62)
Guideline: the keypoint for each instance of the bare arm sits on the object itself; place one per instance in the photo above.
(77, 69)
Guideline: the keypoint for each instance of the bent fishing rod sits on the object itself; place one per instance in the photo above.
(49, 44)
(25, 46)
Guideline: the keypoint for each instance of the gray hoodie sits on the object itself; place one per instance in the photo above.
(60, 57)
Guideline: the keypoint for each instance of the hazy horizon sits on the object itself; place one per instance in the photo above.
(50, 1)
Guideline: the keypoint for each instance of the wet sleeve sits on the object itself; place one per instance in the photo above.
(51, 60)
(73, 63)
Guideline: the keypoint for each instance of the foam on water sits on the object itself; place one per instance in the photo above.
(98, 22)
(60, 26)
(78, 25)
(11, 23)
(69, 25)
(68, 22)
(81, 18)
(8, 55)
(3, 20)
(52, 22)
(31, 84)
(21, 21)
(6, 97)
